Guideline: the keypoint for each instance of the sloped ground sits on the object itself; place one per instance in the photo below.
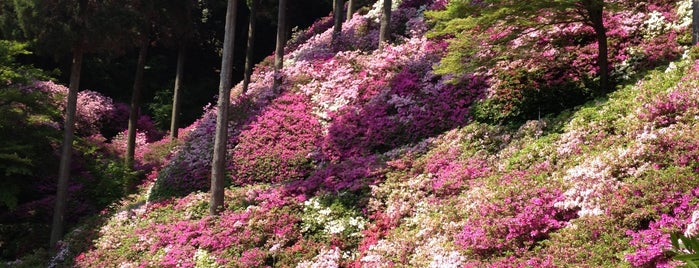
(369, 159)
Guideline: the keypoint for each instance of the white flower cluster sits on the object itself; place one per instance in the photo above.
(377, 9)
(693, 226)
(317, 217)
(656, 23)
(684, 14)
(591, 181)
(202, 259)
(327, 258)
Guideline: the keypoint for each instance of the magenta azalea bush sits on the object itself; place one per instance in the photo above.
(280, 145)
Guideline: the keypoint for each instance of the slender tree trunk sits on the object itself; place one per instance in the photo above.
(385, 31)
(695, 22)
(67, 149)
(337, 13)
(281, 41)
(175, 119)
(218, 171)
(135, 105)
(603, 60)
(350, 9)
(249, 53)
(596, 14)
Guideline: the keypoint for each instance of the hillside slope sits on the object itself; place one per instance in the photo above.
(370, 159)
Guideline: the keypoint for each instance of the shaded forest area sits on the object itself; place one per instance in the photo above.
(111, 72)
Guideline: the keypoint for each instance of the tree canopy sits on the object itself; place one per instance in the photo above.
(495, 29)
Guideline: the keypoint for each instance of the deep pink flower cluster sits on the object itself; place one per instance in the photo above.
(665, 109)
(451, 174)
(280, 144)
(514, 223)
(242, 238)
(652, 244)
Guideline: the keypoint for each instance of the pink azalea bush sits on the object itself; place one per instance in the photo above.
(92, 108)
(280, 145)
(524, 215)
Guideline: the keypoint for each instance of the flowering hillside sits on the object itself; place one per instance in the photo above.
(371, 158)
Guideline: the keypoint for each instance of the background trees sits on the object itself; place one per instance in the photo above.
(63, 32)
(79, 27)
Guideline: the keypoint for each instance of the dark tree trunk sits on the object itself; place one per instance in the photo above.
(66, 149)
(603, 61)
(218, 168)
(135, 105)
(176, 101)
(350, 9)
(281, 41)
(385, 31)
(337, 13)
(695, 22)
(595, 9)
(249, 53)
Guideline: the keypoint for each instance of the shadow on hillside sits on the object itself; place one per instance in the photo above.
(189, 169)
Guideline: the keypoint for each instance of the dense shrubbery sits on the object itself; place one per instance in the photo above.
(31, 121)
(372, 158)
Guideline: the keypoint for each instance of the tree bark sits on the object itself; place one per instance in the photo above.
(67, 149)
(350, 9)
(595, 10)
(281, 41)
(337, 13)
(249, 53)
(218, 171)
(135, 106)
(385, 31)
(695, 22)
(176, 101)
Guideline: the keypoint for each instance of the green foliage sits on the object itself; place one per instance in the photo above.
(59, 26)
(109, 178)
(593, 242)
(161, 108)
(26, 137)
(10, 70)
(685, 249)
(693, 52)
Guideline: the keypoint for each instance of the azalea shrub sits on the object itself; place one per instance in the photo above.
(282, 144)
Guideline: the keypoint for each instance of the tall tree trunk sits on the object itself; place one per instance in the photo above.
(135, 105)
(337, 13)
(176, 102)
(603, 61)
(350, 9)
(595, 10)
(218, 171)
(281, 41)
(67, 149)
(249, 52)
(695, 22)
(385, 31)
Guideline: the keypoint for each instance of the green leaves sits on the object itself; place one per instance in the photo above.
(686, 249)
(11, 72)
